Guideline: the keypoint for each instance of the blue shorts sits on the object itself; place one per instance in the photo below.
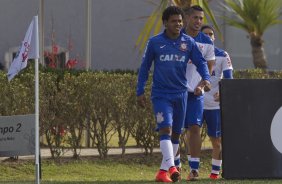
(169, 110)
(194, 111)
(213, 121)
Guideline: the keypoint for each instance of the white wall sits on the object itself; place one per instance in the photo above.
(113, 35)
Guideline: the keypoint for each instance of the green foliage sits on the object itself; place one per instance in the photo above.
(103, 104)
(114, 170)
(154, 22)
(257, 74)
(253, 16)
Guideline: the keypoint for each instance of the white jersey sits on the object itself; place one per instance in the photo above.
(222, 63)
(207, 48)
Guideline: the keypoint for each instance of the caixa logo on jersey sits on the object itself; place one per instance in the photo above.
(172, 57)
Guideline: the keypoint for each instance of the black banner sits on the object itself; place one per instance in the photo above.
(251, 125)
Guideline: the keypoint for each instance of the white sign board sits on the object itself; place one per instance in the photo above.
(17, 135)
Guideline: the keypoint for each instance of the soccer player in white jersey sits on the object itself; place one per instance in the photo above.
(222, 68)
(194, 113)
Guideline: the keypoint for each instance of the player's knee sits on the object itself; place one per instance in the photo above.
(165, 131)
(216, 143)
(217, 147)
(175, 138)
(194, 129)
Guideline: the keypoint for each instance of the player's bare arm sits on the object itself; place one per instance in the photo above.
(210, 65)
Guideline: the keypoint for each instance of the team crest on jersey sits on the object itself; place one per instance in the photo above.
(159, 117)
(183, 46)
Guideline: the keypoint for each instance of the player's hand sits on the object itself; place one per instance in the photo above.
(206, 85)
(199, 90)
(203, 86)
(141, 100)
(216, 97)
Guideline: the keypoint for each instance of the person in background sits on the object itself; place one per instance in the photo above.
(194, 17)
(222, 69)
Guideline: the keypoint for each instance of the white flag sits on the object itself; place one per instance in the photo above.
(29, 49)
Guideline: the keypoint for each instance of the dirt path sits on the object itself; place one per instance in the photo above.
(45, 152)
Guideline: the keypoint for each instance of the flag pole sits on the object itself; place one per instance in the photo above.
(37, 164)
(29, 49)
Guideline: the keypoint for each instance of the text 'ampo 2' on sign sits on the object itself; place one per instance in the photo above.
(17, 135)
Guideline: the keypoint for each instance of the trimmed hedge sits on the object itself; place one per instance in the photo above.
(75, 104)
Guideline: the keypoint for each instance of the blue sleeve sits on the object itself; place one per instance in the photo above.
(227, 74)
(201, 64)
(144, 69)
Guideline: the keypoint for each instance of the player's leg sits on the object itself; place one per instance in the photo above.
(176, 150)
(186, 143)
(216, 157)
(195, 150)
(214, 132)
(163, 110)
(193, 122)
(178, 122)
(175, 145)
(186, 132)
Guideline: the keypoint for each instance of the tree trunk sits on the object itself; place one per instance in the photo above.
(259, 58)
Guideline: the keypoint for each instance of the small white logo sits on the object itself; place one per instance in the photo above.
(162, 46)
(159, 117)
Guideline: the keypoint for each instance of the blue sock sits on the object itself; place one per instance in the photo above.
(194, 163)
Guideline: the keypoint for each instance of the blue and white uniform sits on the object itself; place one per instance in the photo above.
(222, 68)
(169, 88)
(195, 104)
(206, 47)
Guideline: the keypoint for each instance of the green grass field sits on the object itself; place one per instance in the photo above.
(133, 168)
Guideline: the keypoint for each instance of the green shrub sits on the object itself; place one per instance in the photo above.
(98, 105)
